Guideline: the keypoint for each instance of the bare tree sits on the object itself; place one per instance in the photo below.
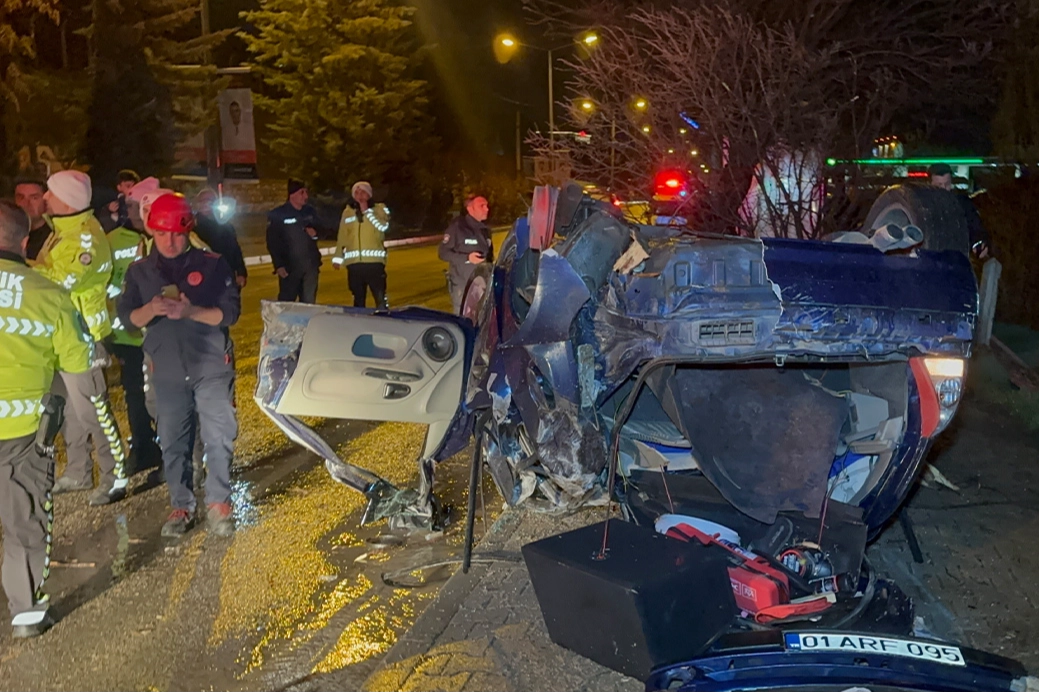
(756, 94)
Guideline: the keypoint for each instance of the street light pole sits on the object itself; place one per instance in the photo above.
(551, 105)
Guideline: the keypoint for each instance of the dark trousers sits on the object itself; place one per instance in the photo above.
(299, 286)
(212, 399)
(362, 276)
(143, 450)
(26, 515)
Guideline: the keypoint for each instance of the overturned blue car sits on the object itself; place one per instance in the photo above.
(767, 400)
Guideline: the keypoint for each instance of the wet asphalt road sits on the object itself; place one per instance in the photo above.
(296, 596)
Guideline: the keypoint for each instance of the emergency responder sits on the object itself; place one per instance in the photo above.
(218, 235)
(361, 246)
(941, 177)
(292, 231)
(50, 336)
(28, 194)
(143, 207)
(77, 257)
(467, 243)
(128, 247)
(187, 299)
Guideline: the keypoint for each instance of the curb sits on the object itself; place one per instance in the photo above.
(400, 242)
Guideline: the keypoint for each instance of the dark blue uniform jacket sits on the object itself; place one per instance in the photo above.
(289, 243)
(185, 349)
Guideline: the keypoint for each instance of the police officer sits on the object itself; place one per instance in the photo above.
(125, 343)
(292, 244)
(77, 257)
(49, 336)
(467, 243)
(187, 299)
(361, 246)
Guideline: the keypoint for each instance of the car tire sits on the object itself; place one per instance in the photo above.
(935, 212)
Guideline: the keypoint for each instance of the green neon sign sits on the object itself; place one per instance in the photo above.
(908, 162)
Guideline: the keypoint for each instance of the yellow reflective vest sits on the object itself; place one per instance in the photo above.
(361, 236)
(127, 248)
(42, 333)
(76, 256)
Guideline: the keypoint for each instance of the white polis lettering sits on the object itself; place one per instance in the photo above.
(11, 290)
(126, 253)
(290, 221)
(472, 241)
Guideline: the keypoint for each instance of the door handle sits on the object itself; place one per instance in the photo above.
(396, 391)
(393, 376)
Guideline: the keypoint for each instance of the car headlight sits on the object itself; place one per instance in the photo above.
(439, 344)
(945, 378)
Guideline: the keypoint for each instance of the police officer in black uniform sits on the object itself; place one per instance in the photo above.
(187, 299)
(467, 243)
(292, 231)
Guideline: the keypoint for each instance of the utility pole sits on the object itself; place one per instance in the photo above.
(551, 108)
(519, 153)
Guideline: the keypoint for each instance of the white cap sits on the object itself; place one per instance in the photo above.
(72, 188)
(362, 185)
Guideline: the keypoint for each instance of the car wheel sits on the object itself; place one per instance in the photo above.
(935, 212)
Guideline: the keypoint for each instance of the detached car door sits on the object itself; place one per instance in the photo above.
(408, 365)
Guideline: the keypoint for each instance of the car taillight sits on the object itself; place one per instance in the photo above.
(940, 384)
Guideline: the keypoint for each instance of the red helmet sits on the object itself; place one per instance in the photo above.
(171, 213)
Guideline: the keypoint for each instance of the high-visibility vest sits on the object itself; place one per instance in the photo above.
(42, 332)
(127, 248)
(361, 236)
(77, 257)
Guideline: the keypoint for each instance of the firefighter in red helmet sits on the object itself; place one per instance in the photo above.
(185, 299)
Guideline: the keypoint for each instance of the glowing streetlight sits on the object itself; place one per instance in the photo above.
(641, 104)
(508, 42)
(590, 39)
(587, 106)
(694, 153)
(645, 129)
(682, 131)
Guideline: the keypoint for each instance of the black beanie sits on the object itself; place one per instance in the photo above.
(295, 185)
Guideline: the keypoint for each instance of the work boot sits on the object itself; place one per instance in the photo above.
(31, 630)
(219, 520)
(178, 523)
(104, 496)
(65, 485)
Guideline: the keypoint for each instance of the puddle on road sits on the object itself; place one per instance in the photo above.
(309, 580)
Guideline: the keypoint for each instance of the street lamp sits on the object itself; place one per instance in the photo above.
(508, 43)
(641, 104)
(587, 106)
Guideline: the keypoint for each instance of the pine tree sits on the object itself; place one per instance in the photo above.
(149, 89)
(340, 87)
(17, 43)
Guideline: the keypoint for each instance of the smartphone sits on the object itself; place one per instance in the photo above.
(171, 291)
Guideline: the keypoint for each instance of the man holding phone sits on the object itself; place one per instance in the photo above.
(187, 299)
(467, 243)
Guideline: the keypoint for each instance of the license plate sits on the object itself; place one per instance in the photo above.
(872, 644)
